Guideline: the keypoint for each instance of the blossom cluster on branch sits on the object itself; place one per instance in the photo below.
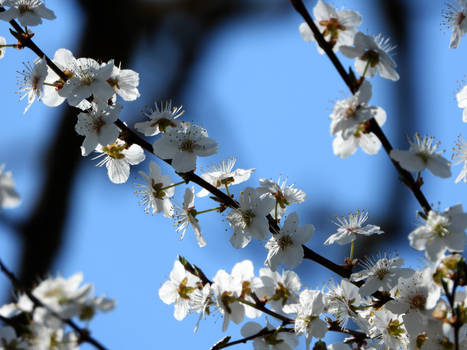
(377, 303)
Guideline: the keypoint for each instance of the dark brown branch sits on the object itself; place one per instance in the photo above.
(84, 334)
(260, 306)
(261, 333)
(406, 177)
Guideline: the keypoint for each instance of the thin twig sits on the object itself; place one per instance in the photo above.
(261, 333)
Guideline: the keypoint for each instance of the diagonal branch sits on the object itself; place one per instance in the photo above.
(405, 176)
(26, 41)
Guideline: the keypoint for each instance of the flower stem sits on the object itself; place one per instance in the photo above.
(284, 319)
(352, 246)
(173, 185)
(366, 68)
(49, 84)
(275, 210)
(207, 210)
(227, 189)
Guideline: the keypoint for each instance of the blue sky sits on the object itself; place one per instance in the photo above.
(265, 96)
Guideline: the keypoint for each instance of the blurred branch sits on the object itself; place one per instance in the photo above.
(84, 334)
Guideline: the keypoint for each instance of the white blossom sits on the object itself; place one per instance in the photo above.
(441, 232)
(2, 46)
(118, 157)
(454, 18)
(286, 246)
(222, 175)
(340, 26)
(461, 97)
(390, 329)
(63, 296)
(97, 126)
(461, 155)
(178, 290)
(349, 113)
(249, 220)
(415, 296)
(63, 59)
(278, 289)
(124, 82)
(227, 289)
(9, 198)
(343, 302)
(160, 119)
(422, 155)
(244, 272)
(372, 55)
(273, 341)
(309, 309)
(382, 273)
(186, 216)
(92, 305)
(87, 78)
(157, 191)
(368, 142)
(350, 229)
(182, 144)
(283, 195)
(33, 82)
(44, 338)
(28, 12)
(200, 301)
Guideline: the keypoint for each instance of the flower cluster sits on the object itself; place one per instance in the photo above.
(39, 320)
(388, 305)
(411, 313)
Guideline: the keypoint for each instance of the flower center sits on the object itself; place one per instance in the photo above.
(113, 83)
(187, 146)
(248, 216)
(372, 57)
(246, 290)
(271, 339)
(87, 312)
(418, 302)
(34, 82)
(225, 181)
(87, 79)
(280, 199)
(97, 124)
(440, 230)
(158, 192)
(227, 299)
(114, 150)
(395, 328)
(331, 27)
(380, 273)
(23, 8)
(350, 112)
(285, 241)
(282, 293)
(163, 124)
(460, 17)
(183, 290)
(424, 156)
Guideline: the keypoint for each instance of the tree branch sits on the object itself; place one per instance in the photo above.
(406, 177)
